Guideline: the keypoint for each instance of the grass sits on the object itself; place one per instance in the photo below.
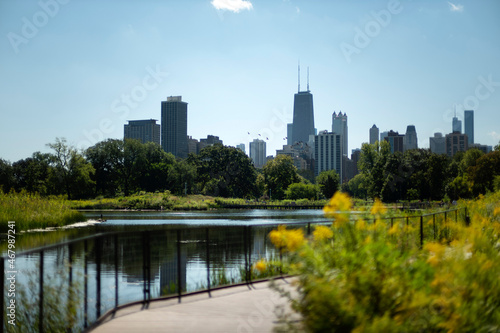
(153, 201)
(31, 211)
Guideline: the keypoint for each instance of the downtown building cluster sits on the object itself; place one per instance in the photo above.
(311, 150)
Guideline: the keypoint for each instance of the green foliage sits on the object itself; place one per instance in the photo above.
(279, 173)
(370, 277)
(30, 211)
(225, 172)
(298, 191)
(329, 182)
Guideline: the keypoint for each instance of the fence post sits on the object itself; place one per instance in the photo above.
(249, 242)
(456, 215)
(434, 224)
(421, 231)
(98, 277)
(208, 260)
(146, 268)
(40, 296)
(86, 287)
(116, 272)
(2, 291)
(245, 249)
(467, 218)
(179, 287)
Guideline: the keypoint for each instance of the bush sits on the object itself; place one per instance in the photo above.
(370, 277)
(298, 191)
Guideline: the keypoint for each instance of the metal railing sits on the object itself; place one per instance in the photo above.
(155, 264)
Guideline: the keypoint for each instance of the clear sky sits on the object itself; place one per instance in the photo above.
(80, 68)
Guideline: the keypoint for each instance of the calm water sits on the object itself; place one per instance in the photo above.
(182, 249)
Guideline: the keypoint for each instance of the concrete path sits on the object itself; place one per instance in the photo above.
(235, 310)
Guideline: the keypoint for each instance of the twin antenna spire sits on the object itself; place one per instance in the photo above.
(307, 78)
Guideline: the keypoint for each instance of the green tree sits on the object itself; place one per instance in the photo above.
(372, 164)
(482, 175)
(71, 171)
(328, 182)
(298, 191)
(225, 171)
(279, 173)
(6, 176)
(32, 174)
(107, 158)
(356, 187)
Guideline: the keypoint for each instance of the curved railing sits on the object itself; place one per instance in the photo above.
(97, 275)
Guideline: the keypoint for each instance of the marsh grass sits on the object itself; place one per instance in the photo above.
(31, 211)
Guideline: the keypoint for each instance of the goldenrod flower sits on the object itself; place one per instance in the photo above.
(496, 212)
(340, 202)
(289, 239)
(260, 266)
(278, 236)
(378, 207)
(322, 233)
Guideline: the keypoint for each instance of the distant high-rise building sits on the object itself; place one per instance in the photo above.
(383, 135)
(258, 152)
(410, 138)
(192, 145)
(241, 147)
(456, 142)
(289, 134)
(142, 130)
(469, 125)
(456, 125)
(437, 143)
(484, 148)
(374, 133)
(396, 141)
(174, 138)
(339, 126)
(328, 153)
(303, 115)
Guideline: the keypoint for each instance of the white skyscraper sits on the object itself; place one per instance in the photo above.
(339, 126)
(328, 153)
(258, 152)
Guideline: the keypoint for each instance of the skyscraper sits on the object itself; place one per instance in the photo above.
(142, 130)
(328, 153)
(438, 143)
(395, 140)
(410, 138)
(303, 114)
(374, 133)
(456, 142)
(469, 125)
(456, 124)
(339, 126)
(174, 138)
(258, 152)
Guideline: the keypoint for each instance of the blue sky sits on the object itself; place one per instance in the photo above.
(80, 68)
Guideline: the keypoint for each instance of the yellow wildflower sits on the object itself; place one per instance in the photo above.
(496, 212)
(394, 229)
(278, 236)
(378, 207)
(294, 239)
(436, 250)
(260, 266)
(289, 239)
(361, 224)
(340, 202)
(322, 233)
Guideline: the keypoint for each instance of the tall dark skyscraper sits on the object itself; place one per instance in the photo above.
(303, 114)
(469, 125)
(142, 130)
(174, 137)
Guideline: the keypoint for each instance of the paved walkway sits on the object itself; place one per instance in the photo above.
(237, 309)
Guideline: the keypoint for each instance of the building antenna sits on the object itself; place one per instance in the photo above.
(299, 76)
(307, 78)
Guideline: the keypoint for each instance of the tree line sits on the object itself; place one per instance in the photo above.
(419, 174)
(122, 167)
(115, 167)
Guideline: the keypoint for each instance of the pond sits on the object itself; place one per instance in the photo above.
(163, 253)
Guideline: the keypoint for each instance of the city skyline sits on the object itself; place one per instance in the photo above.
(385, 62)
